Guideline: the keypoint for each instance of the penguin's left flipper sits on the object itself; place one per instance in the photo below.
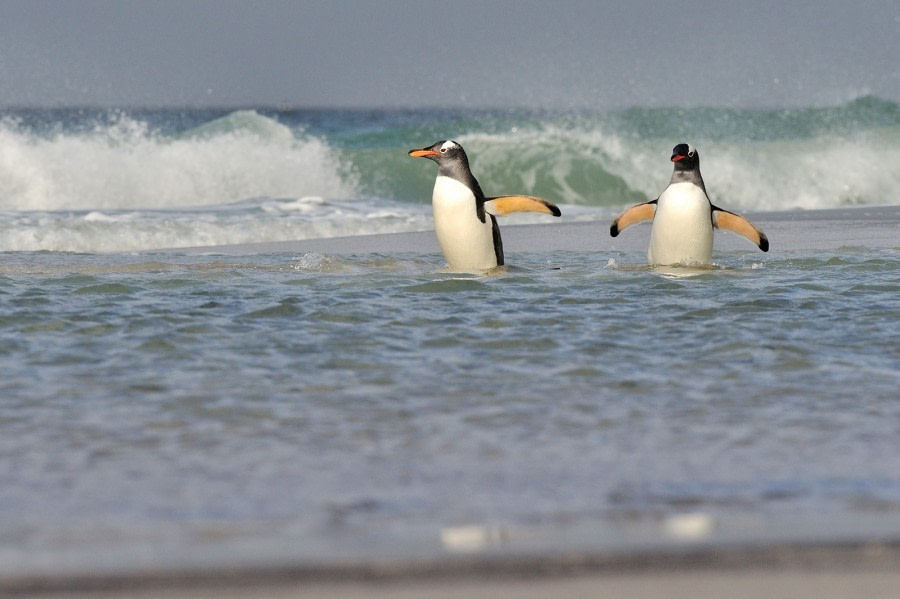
(503, 205)
(632, 216)
(723, 219)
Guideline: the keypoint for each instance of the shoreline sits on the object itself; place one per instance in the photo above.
(797, 230)
(842, 569)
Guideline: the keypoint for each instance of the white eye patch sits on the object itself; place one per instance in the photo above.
(448, 145)
(690, 151)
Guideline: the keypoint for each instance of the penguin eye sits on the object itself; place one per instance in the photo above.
(443, 150)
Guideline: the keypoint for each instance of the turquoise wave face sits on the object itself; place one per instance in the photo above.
(752, 160)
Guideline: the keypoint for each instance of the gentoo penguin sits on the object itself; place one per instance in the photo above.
(463, 218)
(683, 217)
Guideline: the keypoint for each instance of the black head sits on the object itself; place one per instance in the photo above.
(687, 166)
(685, 157)
(441, 152)
(451, 159)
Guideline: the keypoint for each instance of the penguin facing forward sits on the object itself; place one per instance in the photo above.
(684, 218)
(463, 217)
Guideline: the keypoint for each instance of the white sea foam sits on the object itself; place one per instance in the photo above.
(824, 172)
(126, 165)
(247, 222)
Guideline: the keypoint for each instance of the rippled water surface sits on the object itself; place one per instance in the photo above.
(160, 406)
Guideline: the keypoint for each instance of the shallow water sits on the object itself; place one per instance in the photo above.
(162, 408)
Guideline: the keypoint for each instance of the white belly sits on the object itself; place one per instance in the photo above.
(682, 230)
(467, 243)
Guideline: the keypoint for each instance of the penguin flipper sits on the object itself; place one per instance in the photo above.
(632, 216)
(723, 219)
(503, 205)
(498, 242)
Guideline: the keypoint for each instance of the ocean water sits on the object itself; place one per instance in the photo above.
(163, 408)
(114, 181)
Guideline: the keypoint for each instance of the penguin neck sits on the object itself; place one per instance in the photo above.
(458, 170)
(688, 176)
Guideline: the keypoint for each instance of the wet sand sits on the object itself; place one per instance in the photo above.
(750, 584)
(870, 570)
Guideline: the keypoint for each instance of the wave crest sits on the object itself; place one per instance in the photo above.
(126, 164)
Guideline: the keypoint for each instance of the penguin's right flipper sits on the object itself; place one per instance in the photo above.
(632, 216)
(502, 205)
(723, 219)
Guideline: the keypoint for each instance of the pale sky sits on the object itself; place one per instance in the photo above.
(455, 53)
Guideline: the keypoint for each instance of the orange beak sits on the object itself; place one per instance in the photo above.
(422, 153)
(677, 157)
